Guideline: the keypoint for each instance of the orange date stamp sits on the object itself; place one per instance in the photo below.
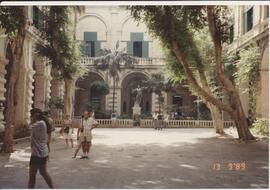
(231, 166)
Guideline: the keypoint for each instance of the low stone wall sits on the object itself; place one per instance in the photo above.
(147, 123)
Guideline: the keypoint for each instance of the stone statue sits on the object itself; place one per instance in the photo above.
(138, 97)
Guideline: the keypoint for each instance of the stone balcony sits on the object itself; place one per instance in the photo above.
(141, 61)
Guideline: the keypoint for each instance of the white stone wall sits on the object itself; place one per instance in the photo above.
(114, 23)
(259, 33)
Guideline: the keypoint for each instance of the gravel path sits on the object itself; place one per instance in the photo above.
(145, 158)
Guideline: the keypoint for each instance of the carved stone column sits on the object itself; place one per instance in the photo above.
(3, 63)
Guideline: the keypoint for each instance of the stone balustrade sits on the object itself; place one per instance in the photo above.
(148, 123)
(141, 61)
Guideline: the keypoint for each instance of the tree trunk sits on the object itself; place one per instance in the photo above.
(238, 113)
(113, 93)
(234, 109)
(216, 117)
(68, 97)
(17, 52)
(240, 120)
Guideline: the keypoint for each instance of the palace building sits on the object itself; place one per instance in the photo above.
(102, 27)
(251, 25)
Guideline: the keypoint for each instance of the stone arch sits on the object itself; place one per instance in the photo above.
(130, 81)
(263, 98)
(124, 21)
(99, 17)
(85, 24)
(130, 72)
(84, 94)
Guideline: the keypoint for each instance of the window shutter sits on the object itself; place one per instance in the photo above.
(90, 36)
(97, 48)
(136, 36)
(130, 47)
(145, 49)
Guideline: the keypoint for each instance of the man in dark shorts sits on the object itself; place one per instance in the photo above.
(40, 132)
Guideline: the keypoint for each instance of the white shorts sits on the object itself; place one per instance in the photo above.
(87, 138)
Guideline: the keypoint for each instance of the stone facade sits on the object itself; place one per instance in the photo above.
(251, 24)
(34, 76)
(106, 25)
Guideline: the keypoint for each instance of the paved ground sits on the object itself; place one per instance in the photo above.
(145, 158)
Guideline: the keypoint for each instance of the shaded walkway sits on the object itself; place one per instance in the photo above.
(145, 158)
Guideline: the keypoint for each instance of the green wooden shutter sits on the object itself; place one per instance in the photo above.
(97, 48)
(130, 47)
(82, 49)
(145, 49)
(136, 36)
(90, 36)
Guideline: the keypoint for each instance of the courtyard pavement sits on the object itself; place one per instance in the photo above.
(146, 158)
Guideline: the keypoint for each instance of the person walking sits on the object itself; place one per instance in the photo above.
(40, 148)
(67, 130)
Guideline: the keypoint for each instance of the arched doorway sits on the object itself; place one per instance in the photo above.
(85, 96)
(130, 82)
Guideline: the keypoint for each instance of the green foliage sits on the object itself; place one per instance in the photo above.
(248, 72)
(248, 65)
(124, 116)
(157, 83)
(61, 48)
(112, 60)
(100, 87)
(261, 126)
(12, 19)
(56, 103)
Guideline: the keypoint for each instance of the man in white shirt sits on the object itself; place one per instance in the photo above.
(85, 133)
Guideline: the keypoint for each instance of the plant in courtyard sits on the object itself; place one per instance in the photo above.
(100, 87)
(174, 25)
(206, 74)
(62, 49)
(248, 72)
(56, 103)
(13, 22)
(261, 126)
(157, 84)
(112, 61)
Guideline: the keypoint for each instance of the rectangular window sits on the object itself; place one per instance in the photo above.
(137, 49)
(248, 20)
(38, 20)
(90, 49)
(92, 45)
(177, 100)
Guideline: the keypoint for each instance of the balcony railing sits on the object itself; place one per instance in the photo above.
(141, 61)
(148, 123)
